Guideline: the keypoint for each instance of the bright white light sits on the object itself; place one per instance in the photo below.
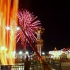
(52, 56)
(7, 28)
(18, 28)
(43, 53)
(3, 48)
(20, 53)
(27, 52)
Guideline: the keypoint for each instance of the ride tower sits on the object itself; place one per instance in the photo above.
(39, 41)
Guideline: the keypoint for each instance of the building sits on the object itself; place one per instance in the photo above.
(60, 54)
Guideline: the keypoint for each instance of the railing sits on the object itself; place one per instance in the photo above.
(54, 66)
(20, 67)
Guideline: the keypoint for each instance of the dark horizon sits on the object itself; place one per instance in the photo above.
(54, 17)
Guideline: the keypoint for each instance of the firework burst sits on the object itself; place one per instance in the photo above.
(29, 23)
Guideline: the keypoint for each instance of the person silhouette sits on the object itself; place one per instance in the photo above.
(27, 64)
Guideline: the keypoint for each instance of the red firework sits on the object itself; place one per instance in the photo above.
(28, 23)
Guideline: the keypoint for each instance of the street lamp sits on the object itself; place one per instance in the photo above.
(18, 28)
(20, 52)
(43, 53)
(26, 52)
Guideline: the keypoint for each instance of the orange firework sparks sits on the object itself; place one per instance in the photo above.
(8, 24)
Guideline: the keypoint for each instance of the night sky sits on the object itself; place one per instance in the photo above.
(55, 18)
